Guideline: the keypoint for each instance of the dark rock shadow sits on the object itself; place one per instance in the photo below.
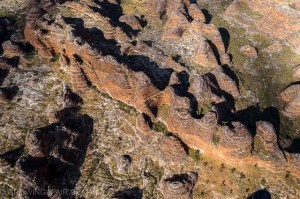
(208, 16)
(3, 75)
(225, 37)
(271, 114)
(261, 194)
(12, 156)
(133, 193)
(215, 51)
(114, 12)
(10, 92)
(253, 114)
(57, 175)
(294, 147)
(159, 77)
(294, 83)
(6, 30)
(181, 90)
(249, 117)
(229, 72)
(94, 37)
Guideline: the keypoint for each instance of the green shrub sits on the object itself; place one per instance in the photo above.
(160, 127)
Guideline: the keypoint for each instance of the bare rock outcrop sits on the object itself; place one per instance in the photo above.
(179, 186)
(192, 39)
(168, 150)
(11, 50)
(266, 142)
(291, 98)
(101, 49)
(294, 159)
(260, 15)
(225, 82)
(249, 51)
(171, 151)
(196, 13)
(296, 72)
(133, 21)
(237, 138)
(54, 156)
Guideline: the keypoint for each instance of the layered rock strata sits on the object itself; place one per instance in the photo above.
(259, 15)
(100, 49)
(179, 186)
(266, 142)
(291, 98)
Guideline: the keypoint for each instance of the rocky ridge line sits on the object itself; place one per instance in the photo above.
(107, 55)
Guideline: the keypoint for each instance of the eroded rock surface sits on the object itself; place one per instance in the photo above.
(179, 186)
(136, 74)
(266, 142)
(175, 82)
(291, 97)
(144, 74)
(259, 15)
(55, 153)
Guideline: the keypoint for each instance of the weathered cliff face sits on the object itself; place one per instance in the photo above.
(171, 77)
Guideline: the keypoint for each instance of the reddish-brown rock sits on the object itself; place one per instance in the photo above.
(266, 143)
(291, 98)
(276, 19)
(249, 51)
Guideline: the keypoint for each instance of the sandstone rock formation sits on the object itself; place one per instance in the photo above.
(143, 75)
(11, 50)
(179, 186)
(291, 98)
(294, 159)
(179, 79)
(55, 153)
(168, 150)
(237, 138)
(296, 72)
(260, 15)
(266, 142)
(249, 51)
(196, 42)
